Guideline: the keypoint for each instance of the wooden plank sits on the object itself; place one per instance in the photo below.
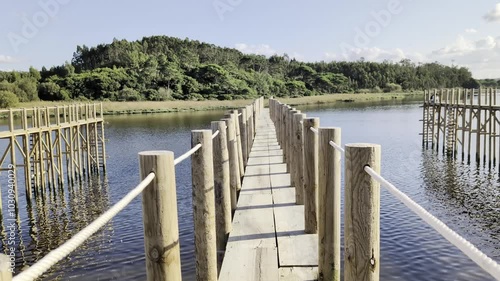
(250, 264)
(298, 273)
(295, 247)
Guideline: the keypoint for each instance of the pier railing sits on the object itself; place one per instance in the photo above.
(313, 155)
(226, 147)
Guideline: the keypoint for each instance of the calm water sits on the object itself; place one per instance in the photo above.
(467, 198)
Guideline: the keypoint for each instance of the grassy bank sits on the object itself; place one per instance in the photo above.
(138, 107)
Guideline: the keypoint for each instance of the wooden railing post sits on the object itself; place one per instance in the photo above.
(234, 170)
(202, 170)
(284, 133)
(298, 152)
(243, 133)
(310, 175)
(329, 205)
(222, 189)
(251, 126)
(291, 140)
(362, 213)
(159, 207)
(234, 115)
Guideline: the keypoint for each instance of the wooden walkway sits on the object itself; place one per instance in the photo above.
(268, 241)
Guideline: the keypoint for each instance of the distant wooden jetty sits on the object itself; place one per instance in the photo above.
(462, 122)
(53, 144)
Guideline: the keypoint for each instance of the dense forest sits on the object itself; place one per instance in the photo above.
(166, 68)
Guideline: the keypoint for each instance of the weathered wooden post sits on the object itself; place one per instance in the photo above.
(234, 170)
(291, 141)
(329, 205)
(5, 273)
(235, 117)
(310, 199)
(222, 189)
(284, 133)
(362, 213)
(244, 137)
(202, 170)
(298, 152)
(251, 125)
(159, 207)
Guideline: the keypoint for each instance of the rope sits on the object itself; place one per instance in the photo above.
(187, 154)
(240, 114)
(337, 147)
(465, 246)
(314, 130)
(69, 246)
(215, 134)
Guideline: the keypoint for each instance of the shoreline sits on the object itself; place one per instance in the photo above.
(151, 107)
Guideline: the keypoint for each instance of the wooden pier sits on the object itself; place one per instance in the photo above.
(53, 144)
(282, 221)
(268, 240)
(462, 123)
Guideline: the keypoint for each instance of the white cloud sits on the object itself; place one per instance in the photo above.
(6, 59)
(493, 15)
(482, 56)
(261, 49)
(471, 30)
(374, 54)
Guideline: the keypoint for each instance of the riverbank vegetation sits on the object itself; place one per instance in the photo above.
(162, 68)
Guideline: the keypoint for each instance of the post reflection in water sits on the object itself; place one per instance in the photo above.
(459, 191)
(52, 218)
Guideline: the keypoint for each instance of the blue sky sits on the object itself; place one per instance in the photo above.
(466, 33)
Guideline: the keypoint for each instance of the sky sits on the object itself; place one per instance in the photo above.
(461, 32)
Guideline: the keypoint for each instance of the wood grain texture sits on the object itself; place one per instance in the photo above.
(234, 170)
(159, 206)
(310, 175)
(329, 205)
(222, 187)
(298, 152)
(362, 213)
(204, 206)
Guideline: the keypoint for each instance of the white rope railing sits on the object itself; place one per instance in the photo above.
(187, 154)
(337, 147)
(314, 130)
(69, 246)
(465, 246)
(215, 134)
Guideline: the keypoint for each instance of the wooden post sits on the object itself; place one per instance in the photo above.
(234, 170)
(284, 133)
(222, 189)
(362, 213)
(310, 175)
(244, 135)
(298, 151)
(159, 207)
(250, 134)
(13, 145)
(5, 267)
(478, 128)
(291, 140)
(238, 142)
(329, 205)
(471, 119)
(202, 170)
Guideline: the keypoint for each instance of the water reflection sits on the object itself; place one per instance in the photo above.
(467, 195)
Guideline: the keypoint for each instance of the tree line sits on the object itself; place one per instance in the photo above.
(166, 68)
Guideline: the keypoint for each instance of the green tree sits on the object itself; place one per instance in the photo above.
(8, 99)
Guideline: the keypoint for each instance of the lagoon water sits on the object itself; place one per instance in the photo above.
(466, 197)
